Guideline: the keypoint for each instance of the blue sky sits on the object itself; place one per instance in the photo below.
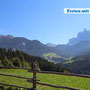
(43, 20)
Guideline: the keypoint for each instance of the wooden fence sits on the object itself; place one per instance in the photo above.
(35, 81)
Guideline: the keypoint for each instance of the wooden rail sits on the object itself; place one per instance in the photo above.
(14, 76)
(16, 86)
(66, 74)
(57, 86)
(35, 81)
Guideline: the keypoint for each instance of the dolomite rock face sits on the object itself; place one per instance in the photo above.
(82, 36)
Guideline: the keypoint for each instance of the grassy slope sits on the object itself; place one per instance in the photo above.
(75, 82)
(50, 56)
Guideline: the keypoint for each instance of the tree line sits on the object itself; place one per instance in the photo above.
(9, 57)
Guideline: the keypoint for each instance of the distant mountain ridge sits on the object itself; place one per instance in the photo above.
(78, 45)
(74, 50)
(6, 36)
(32, 47)
(75, 46)
(51, 45)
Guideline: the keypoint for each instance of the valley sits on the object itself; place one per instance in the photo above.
(68, 58)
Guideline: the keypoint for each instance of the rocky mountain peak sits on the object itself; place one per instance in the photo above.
(81, 36)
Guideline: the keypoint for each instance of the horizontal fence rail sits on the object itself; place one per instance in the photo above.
(34, 80)
(56, 86)
(14, 76)
(46, 72)
(66, 74)
(16, 86)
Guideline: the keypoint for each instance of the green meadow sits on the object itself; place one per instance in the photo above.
(60, 80)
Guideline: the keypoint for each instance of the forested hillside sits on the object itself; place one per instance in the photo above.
(79, 64)
(21, 59)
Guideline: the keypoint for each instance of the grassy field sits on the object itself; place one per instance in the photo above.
(69, 81)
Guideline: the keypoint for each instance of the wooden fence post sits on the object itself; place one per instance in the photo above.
(34, 76)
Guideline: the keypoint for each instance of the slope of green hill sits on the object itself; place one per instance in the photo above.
(61, 80)
(53, 57)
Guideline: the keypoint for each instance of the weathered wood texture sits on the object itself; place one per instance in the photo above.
(34, 77)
